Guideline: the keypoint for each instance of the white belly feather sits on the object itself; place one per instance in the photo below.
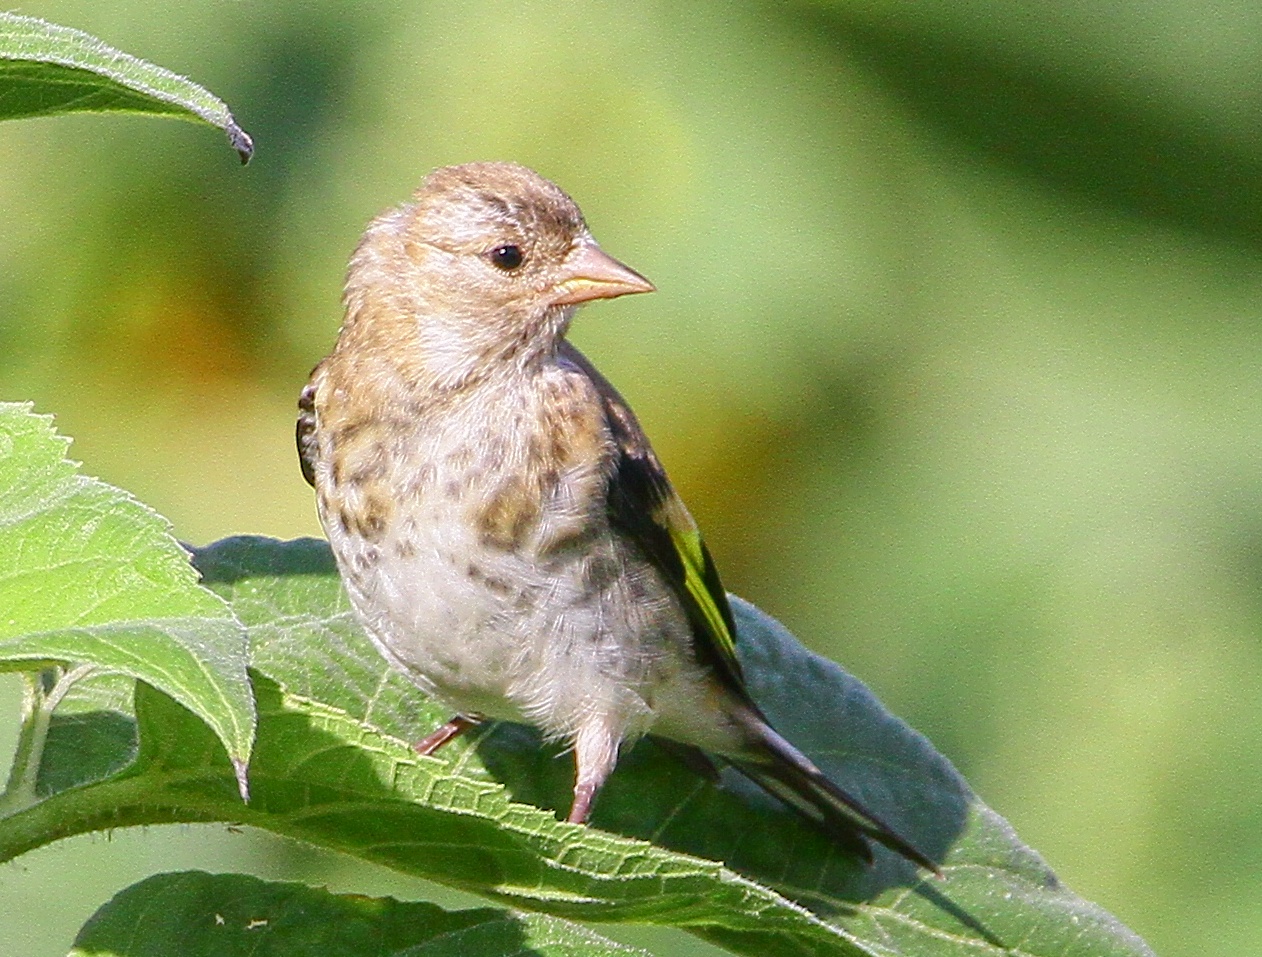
(512, 633)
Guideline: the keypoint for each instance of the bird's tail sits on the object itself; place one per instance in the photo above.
(785, 772)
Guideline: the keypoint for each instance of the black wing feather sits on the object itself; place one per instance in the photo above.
(306, 433)
(639, 495)
(643, 504)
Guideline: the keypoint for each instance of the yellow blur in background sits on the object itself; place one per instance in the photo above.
(956, 357)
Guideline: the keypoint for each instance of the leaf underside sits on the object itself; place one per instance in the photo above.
(50, 70)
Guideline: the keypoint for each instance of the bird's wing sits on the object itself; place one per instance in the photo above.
(644, 505)
(306, 432)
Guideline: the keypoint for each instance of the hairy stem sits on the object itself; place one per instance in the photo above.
(43, 691)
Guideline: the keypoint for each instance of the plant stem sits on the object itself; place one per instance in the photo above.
(43, 691)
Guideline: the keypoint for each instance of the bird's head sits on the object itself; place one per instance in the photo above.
(489, 260)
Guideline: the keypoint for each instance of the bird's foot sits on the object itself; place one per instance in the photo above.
(447, 732)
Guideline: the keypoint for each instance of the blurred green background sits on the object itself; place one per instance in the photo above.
(955, 357)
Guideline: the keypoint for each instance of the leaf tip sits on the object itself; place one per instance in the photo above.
(241, 141)
(240, 768)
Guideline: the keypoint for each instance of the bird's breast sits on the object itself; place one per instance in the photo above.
(471, 542)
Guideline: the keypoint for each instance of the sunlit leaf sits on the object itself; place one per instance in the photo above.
(333, 767)
(48, 70)
(88, 575)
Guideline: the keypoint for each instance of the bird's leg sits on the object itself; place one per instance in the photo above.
(447, 732)
(581, 809)
(595, 754)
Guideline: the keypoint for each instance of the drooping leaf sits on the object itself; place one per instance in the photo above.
(48, 70)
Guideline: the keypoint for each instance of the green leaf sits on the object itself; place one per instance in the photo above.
(48, 70)
(90, 576)
(225, 915)
(333, 767)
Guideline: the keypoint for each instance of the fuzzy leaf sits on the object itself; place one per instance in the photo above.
(89, 575)
(333, 767)
(48, 70)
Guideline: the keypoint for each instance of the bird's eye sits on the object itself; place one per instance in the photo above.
(507, 257)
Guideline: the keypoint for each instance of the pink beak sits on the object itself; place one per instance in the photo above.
(590, 273)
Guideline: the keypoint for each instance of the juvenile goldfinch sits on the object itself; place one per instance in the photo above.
(506, 535)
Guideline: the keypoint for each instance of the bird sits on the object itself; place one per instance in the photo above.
(505, 532)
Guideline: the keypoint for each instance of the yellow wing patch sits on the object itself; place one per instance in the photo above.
(701, 580)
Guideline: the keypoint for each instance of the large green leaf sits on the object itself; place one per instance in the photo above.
(231, 915)
(48, 70)
(333, 767)
(90, 576)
